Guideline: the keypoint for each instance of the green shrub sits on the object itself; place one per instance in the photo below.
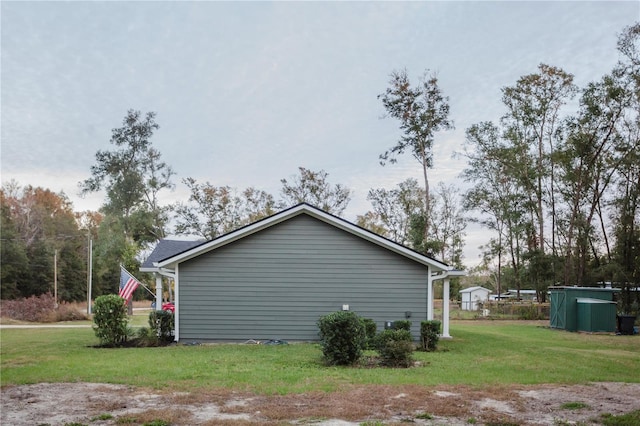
(429, 335)
(145, 338)
(402, 325)
(386, 335)
(395, 348)
(370, 329)
(110, 318)
(342, 336)
(162, 322)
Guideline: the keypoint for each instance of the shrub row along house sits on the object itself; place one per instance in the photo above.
(275, 278)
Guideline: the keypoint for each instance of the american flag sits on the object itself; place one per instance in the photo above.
(128, 284)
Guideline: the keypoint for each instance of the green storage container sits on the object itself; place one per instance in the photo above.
(596, 311)
(596, 315)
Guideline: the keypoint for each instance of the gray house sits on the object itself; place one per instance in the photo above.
(274, 278)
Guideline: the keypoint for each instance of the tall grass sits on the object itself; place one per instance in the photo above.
(480, 354)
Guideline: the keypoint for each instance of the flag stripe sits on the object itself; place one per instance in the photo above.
(128, 284)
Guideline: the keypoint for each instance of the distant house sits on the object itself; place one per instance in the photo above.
(471, 298)
(273, 279)
(512, 294)
(502, 296)
(530, 295)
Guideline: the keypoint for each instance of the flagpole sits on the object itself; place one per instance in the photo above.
(141, 283)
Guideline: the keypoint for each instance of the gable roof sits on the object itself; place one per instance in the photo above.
(292, 212)
(476, 288)
(167, 248)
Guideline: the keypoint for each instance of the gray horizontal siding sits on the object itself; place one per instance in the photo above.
(275, 284)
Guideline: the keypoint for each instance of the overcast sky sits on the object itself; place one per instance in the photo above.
(246, 92)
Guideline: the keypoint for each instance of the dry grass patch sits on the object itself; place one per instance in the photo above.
(104, 406)
(381, 401)
(241, 423)
(205, 396)
(376, 404)
(168, 415)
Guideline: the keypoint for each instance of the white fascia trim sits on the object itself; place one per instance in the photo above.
(316, 213)
(449, 273)
(162, 271)
(167, 272)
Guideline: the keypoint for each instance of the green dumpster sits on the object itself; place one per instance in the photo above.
(596, 315)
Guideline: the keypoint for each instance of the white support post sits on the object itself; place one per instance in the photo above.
(445, 309)
(430, 297)
(176, 315)
(158, 291)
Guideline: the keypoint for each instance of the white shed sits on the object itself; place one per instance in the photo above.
(472, 296)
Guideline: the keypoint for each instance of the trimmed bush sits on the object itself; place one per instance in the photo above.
(110, 318)
(370, 329)
(429, 335)
(342, 336)
(145, 337)
(386, 335)
(162, 322)
(395, 348)
(402, 325)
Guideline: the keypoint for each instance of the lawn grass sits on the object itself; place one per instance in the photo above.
(481, 353)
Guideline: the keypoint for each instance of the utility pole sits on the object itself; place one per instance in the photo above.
(55, 278)
(89, 272)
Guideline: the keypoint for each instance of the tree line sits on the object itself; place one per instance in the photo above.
(39, 225)
(558, 191)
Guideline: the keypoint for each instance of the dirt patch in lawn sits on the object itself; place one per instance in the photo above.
(104, 404)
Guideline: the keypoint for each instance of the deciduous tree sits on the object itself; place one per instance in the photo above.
(448, 224)
(530, 125)
(314, 188)
(394, 208)
(216, 210)
(36, 224)
(422, 111)
(133, 174)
